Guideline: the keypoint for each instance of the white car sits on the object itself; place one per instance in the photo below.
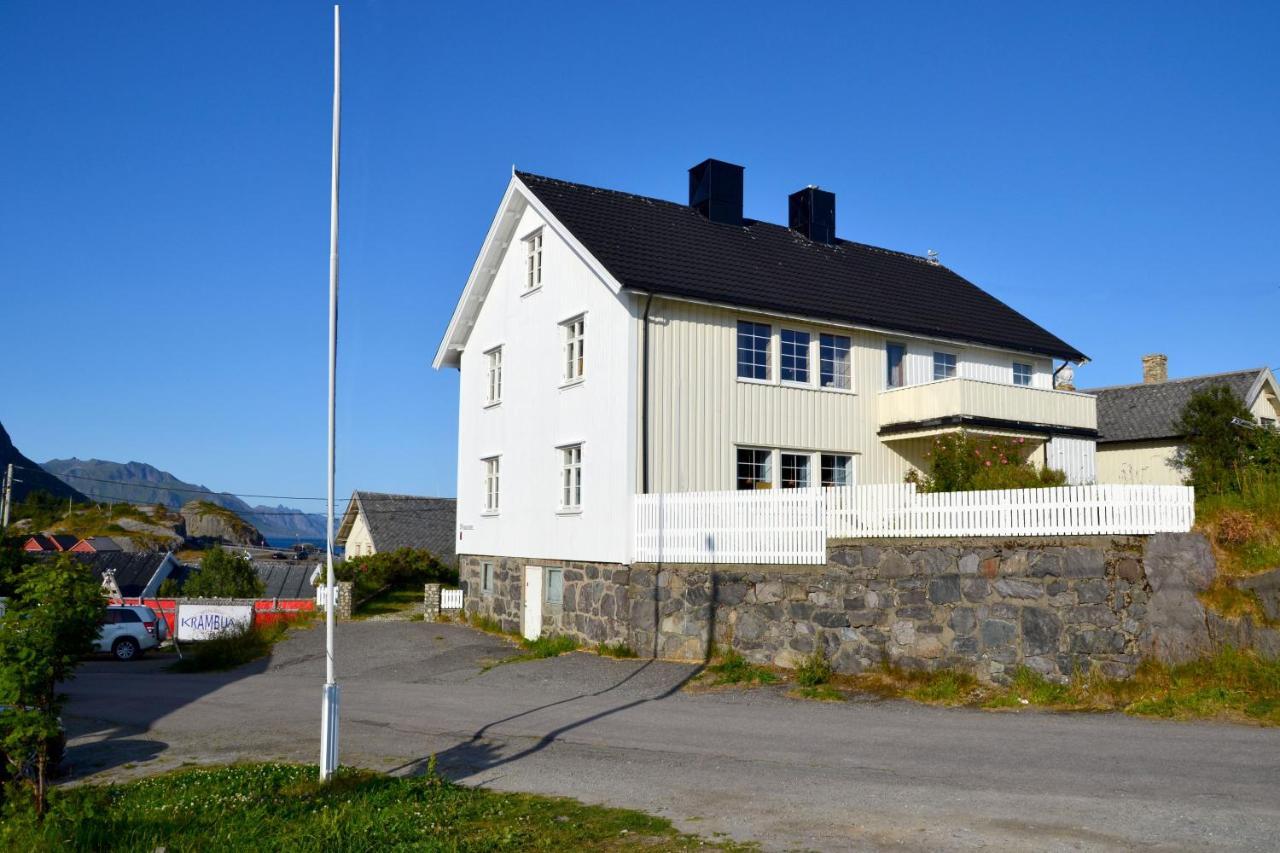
(129, 630)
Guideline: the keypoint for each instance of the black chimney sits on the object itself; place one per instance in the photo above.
(715, 191)
(812, 212)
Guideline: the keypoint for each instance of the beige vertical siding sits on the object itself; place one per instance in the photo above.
(1139, 462)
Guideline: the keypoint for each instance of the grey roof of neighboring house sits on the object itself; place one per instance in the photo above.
(104, 543)
(133, 572)
(662, 247)
(286, 579)
(406, 521)
(1149, 411)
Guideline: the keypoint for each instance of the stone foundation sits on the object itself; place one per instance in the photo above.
(1057, 606)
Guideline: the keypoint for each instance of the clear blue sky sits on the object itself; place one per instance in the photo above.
(1111, 170)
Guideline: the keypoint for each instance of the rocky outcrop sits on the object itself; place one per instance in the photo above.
(1178, 566)
(143, 537)
(206, 522)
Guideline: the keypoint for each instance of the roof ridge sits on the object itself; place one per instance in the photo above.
(1254, 371)
(841, 241)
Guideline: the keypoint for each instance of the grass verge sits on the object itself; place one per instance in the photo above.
(615, 650)
(390, 601)
(732, 668)
(283, 807)
(235, 649)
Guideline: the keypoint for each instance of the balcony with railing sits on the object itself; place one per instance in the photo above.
(976, 404)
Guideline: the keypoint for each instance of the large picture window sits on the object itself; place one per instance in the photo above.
(837, 470)
(834, 362)
(795, 470)
(794, 359)
(753, 349)
(754, 468)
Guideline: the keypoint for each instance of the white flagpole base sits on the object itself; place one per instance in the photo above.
(329, 732)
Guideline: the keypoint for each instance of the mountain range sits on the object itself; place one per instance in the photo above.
(29, 477)
(140, 483)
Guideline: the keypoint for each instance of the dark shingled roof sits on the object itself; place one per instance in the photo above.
(285, 579)
(670, 249)
(133, 571)
(1149, 411)
(410, 521)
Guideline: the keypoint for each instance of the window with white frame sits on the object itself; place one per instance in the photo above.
(555, 586)
(571, 477)
(794, 468)
(575, 360)
(753, 349)
(755, 468)
(793, 359)
(837, 469)
(834, 362)
(944, 365)
(493, 391)
(1022, 373)
(492, 485)
(895, 357)
(533, 260)
(486, 578)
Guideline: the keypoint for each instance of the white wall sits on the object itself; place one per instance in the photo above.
(359, 542)
(1076, 457)
(537, 415)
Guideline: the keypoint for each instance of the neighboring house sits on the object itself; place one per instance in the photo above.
(611, 344)
(127, 575)
(43, 543)
(1138, 440)
(96, 545)
(376, 522)
(284, 579)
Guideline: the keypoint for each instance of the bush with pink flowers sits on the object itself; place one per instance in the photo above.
(967, 462)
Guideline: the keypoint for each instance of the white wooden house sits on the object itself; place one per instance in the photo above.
(612, 345)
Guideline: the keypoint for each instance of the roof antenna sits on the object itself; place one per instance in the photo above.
(933, 257)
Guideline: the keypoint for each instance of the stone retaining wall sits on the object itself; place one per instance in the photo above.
(1057, 606)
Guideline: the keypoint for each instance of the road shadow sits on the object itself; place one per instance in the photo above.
(476, 754)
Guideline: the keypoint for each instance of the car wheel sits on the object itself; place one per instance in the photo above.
(126, 648)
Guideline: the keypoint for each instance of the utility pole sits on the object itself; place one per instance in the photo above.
(8, 496)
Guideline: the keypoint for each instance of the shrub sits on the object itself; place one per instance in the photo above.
(814, 669)
(965, 462)
(732, 668)
(1236, 527)
(231, 648)
(403, 567)
(615, 650)
(223, 574)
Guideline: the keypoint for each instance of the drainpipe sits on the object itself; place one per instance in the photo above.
(644, 401)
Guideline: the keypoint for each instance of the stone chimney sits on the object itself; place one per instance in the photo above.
(1155, 368)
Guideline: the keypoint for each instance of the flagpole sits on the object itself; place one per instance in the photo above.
(329, 710)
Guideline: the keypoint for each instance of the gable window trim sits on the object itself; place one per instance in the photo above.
(493, 376)
(533, 243)
(573, 357)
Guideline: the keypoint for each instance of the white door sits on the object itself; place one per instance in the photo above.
(532, 622)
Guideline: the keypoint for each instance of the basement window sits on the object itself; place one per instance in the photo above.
(555, 586)
(486, 578)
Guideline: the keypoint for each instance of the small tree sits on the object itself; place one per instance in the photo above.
(964, 462)
(1216, 446)
(51, 622)
(223, 574)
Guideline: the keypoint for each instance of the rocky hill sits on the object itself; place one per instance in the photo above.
(208, 522)
(140, 483)
(33, 478)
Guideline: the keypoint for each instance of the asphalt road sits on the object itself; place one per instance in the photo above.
(754, 764)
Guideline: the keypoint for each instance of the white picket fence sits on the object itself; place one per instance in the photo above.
(450, 599)
(731, 527)
(793, 526)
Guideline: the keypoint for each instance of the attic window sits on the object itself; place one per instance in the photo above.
(533, 260)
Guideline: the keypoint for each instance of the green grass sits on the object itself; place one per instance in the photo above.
(487, 624)
(815, 670)
(232, 649)
(732, 668)
(550, 646)
(390, 601)
(278, 807)
(822, 693)
(615, 650)
(1243, 526)
(1231, 685)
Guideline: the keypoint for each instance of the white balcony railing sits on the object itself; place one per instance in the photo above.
(975, 398)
